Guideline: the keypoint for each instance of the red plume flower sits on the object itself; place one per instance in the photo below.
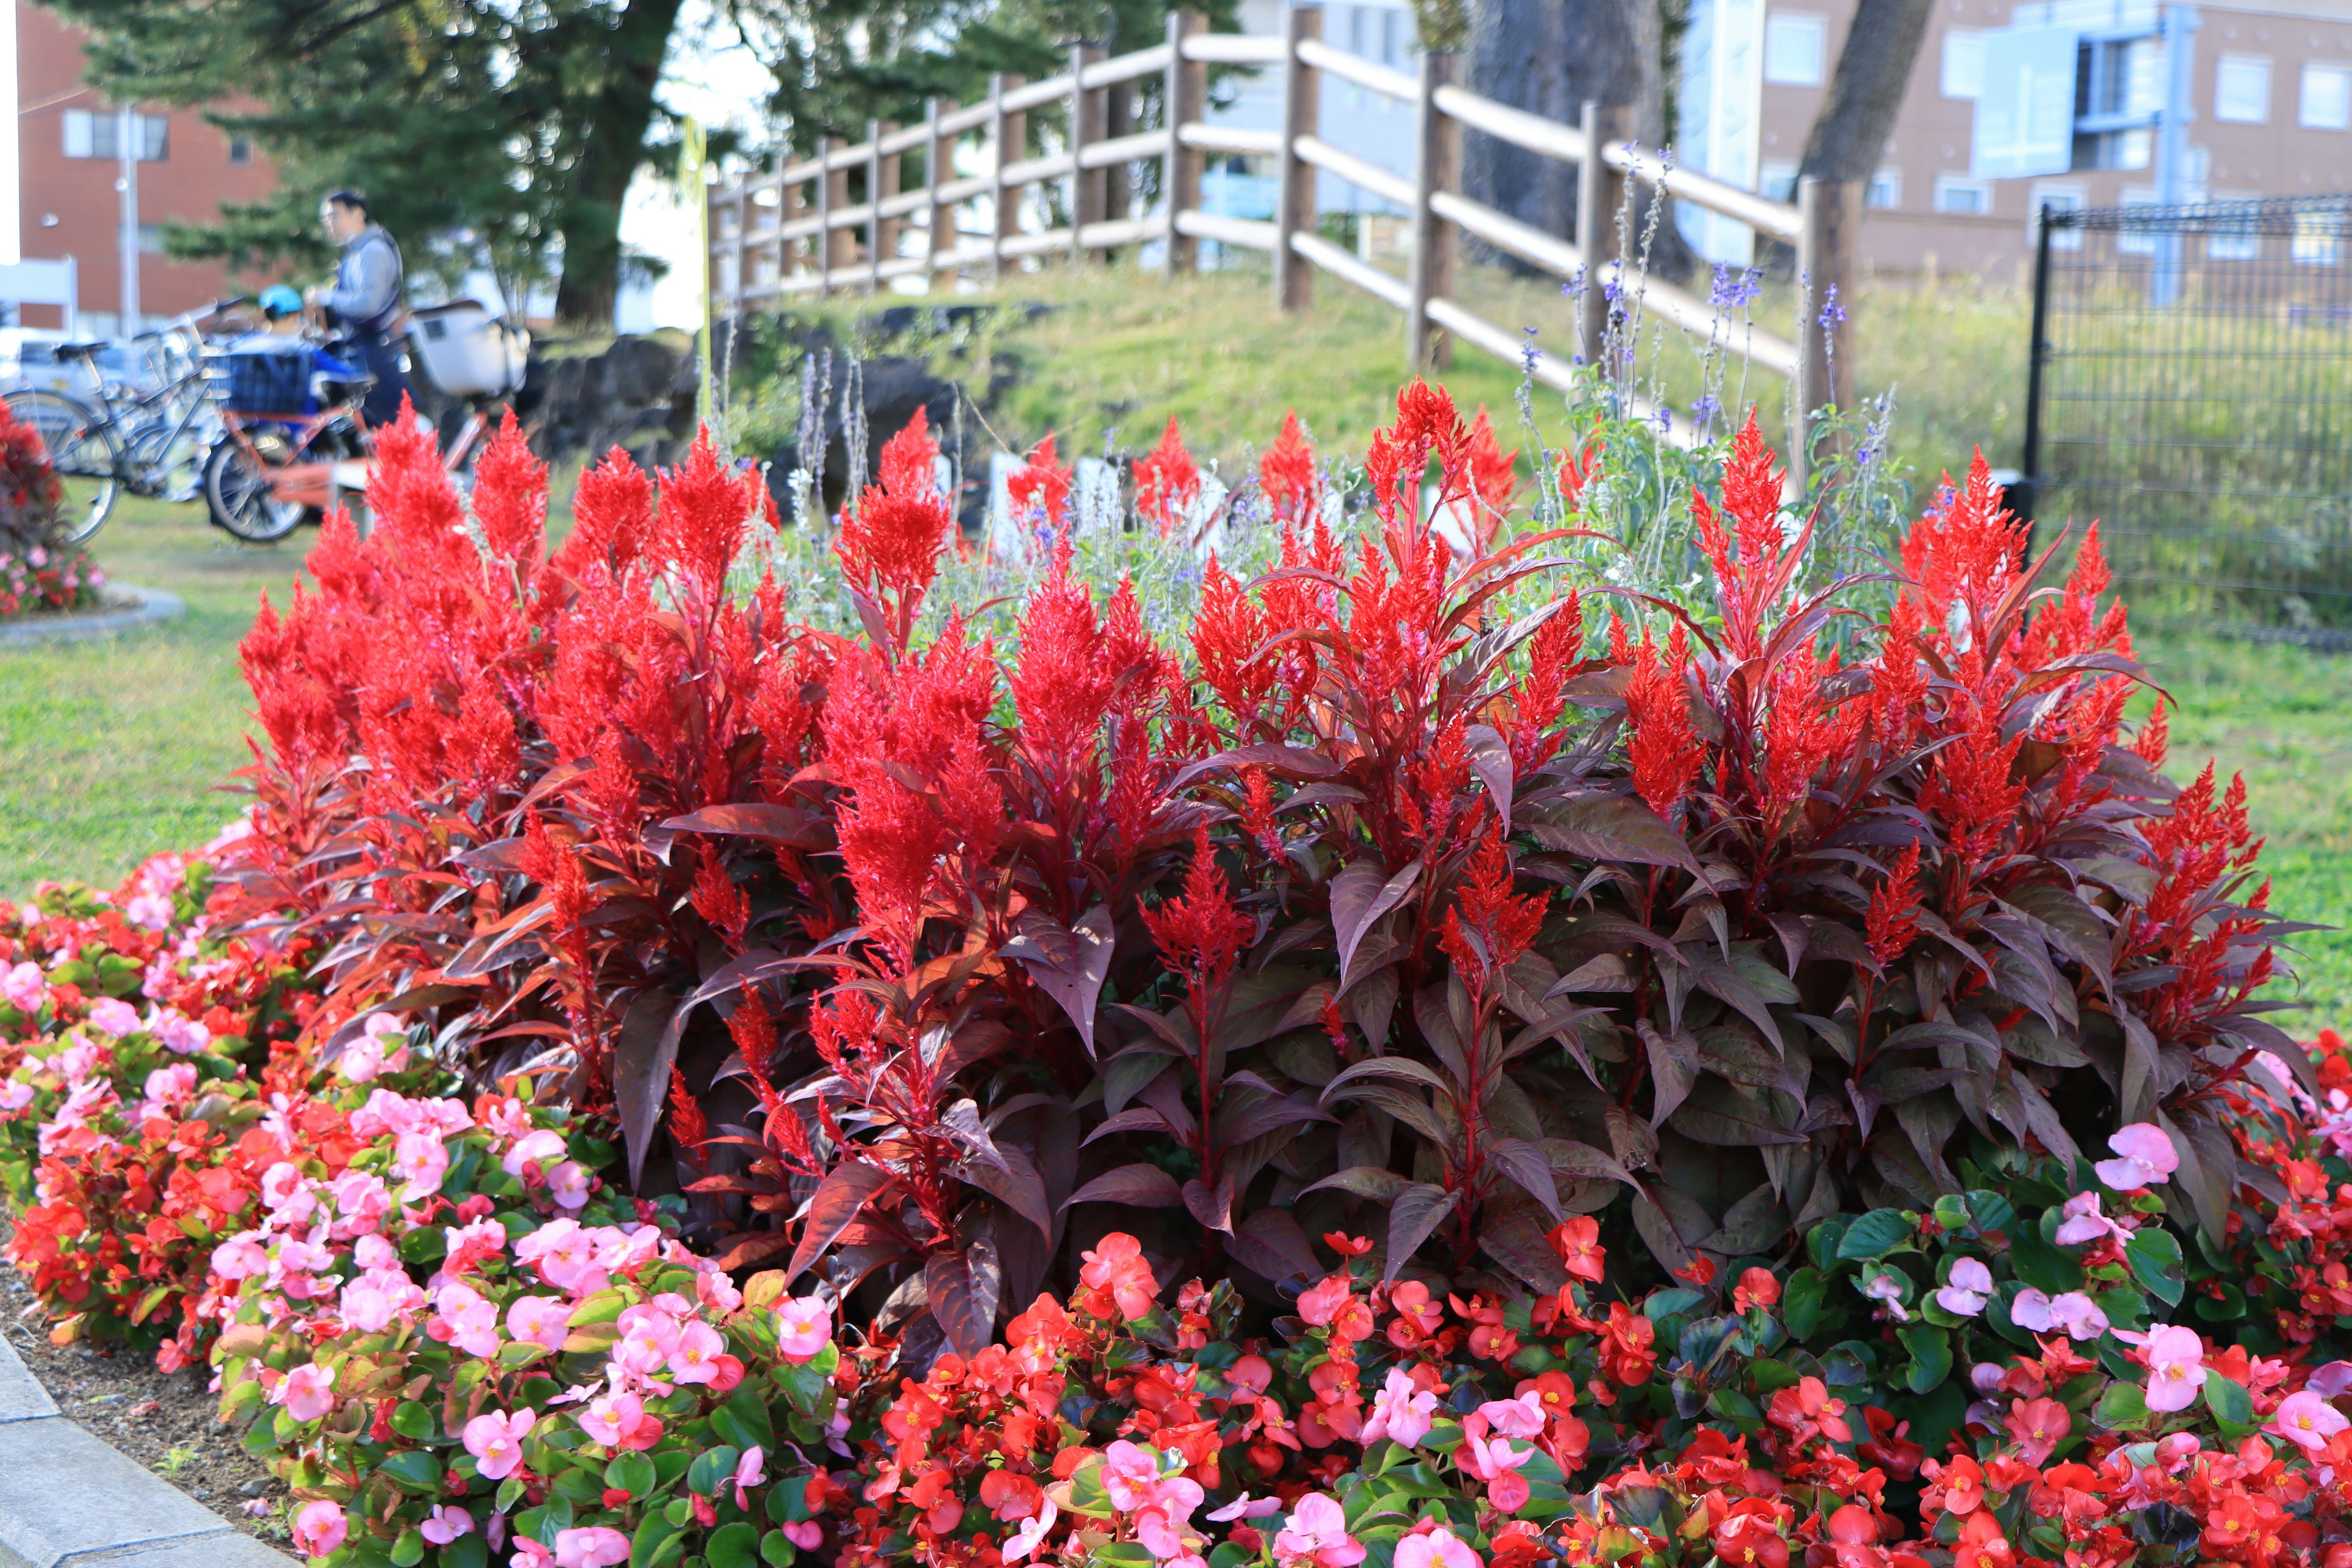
(1287, 473)
(1167, 481)
(890, 545)
(1040, 489)
(1664, 749)
(1200, 933)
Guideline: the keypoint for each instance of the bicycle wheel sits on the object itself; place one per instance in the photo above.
(237, 491)
(169, 459)
(84, 452)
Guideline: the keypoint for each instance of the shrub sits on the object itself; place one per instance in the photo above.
(40, 567)
(1410, 904)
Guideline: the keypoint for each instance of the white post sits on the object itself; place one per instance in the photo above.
(126, 147)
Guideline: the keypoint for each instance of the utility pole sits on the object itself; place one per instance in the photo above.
(127, 128)
(2178, 30)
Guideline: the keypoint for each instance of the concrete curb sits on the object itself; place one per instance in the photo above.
(67, 1501)
(153, 608)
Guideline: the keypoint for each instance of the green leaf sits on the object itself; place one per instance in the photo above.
(2228, 1309)
(408, 1551)
(519, 1353)
(470, 1550)
(733, 1545)
(2154, 1254)
(632, 1473)
(1803, 1300)
(2044, 1267)
(1665, 1304)
(655, 1541)
(509, 1493)
(1821, 1242)
(412, 1470)
(1952, 1214)
(776, 1551)
(710, 1470)
(413, 1421)
(2123, 1405)
(1990, 1210)
(1876, 1234)
(2231, 1406)
(1931, 1355)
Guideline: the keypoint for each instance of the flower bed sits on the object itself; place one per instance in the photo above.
(1415, 1079)
(40, 568)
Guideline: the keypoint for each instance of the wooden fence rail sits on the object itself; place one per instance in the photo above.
(796, 231)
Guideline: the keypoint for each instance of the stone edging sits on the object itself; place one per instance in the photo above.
(154, 607)
(68, 1501)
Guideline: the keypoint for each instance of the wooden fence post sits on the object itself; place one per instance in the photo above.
(1437, 167)
(1600, 191)
(881, 180)
(1118, 119)
(791, 207)
(826, 199)
(1295, 209)
(1009, 140)
(939, 168)
(1188, 102)
(1829, 223)
(743, 207)
(1086, 128)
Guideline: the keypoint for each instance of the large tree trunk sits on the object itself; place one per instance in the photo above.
(613, 145)
(1866, 89)
(1549, 57)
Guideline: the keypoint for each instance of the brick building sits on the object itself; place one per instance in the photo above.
(68, 162)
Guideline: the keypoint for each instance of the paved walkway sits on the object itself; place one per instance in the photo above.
(67, 1501)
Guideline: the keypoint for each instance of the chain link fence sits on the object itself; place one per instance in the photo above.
(2191, 390)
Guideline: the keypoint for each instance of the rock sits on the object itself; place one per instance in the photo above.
(637, 395)
(257, 1487)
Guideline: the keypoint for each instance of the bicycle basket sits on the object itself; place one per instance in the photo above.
(263, 382)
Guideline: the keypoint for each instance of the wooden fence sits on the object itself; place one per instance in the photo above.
(796, 231)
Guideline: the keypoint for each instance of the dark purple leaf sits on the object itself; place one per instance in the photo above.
(839, 1199)
(963, 1286)
(1270, 1242)
(1067, 962)
(1360, 895)
(1142, 1185)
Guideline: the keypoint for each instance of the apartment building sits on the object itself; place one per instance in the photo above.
(2269, 96)
(70, 143)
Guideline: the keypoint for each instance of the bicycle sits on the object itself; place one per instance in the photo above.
(151, 444)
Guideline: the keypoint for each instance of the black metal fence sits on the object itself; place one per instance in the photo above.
(2191, 390)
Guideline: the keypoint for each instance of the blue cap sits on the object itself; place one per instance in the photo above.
(279, 299)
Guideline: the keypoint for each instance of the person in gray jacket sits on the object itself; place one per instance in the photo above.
(367, 298)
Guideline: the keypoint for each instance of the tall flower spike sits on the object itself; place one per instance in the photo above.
(1664, 749)
(1167, 482)
(889, 546)
(1893, 919)
(1287, 473)
(1200, 933)
(1040, 489)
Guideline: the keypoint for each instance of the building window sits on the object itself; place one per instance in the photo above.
(2327, 97)
(1793, 47)
(1886, 191)
(2318, 238)
(2242, 89)
(96, 134)
(240, 149)
(2060, 198)
(1964, 50)
(1959, 194)
(2234, 242)
(1777, 181)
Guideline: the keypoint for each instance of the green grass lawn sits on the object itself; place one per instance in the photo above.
(112, 750)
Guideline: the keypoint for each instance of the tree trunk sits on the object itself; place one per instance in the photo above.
(612, 137)
(1874, 69)
(1549, 57)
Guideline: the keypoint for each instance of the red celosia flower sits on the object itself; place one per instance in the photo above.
(1893, 919)
(889, 544)
(1664, 749)
(1200, 933)
(1287, 476)
(1040, 490)
(1426, 425)
(1488, 929)
(1167, 481)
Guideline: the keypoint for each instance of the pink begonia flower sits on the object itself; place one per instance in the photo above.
(803, 1327)
(240, 1256)
(15, 1095)
(495, 1442)
(1888, 1288)
(320, 1527)
(182, 1036)
(2038, 1313)
(1024, 1541)
(1494, 1462)
(1986, 1375)
(593, 1546)
(539, 1319)
(563, 1252)
(1165, 1526)
(77, 1061)
(568, 1184)
(2146, 1157)
(2084, 1223)
(543, 1148)
(24, 987)
(279, 1183)
(1130, 1474)
(307, 1392)
(1247, 1507)
(1402, 1412)
(148, 911)
(111, 1015)
(171, 1086)
(715, 1290)
(2176, 1367)
(371, 1301)
(693, 1358)
(1437, 1549)
(374, 1252)
(2331, 1380)
(619, 1421)
(1317, 1533)
(420, 1159)
(446, 1523)
(750, 1470)
(2306, 1420)
(648, 1336)
(469, 1320)
(1520, 1417)
(808, 1534)
(530, 1553)
(1964, 1291)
